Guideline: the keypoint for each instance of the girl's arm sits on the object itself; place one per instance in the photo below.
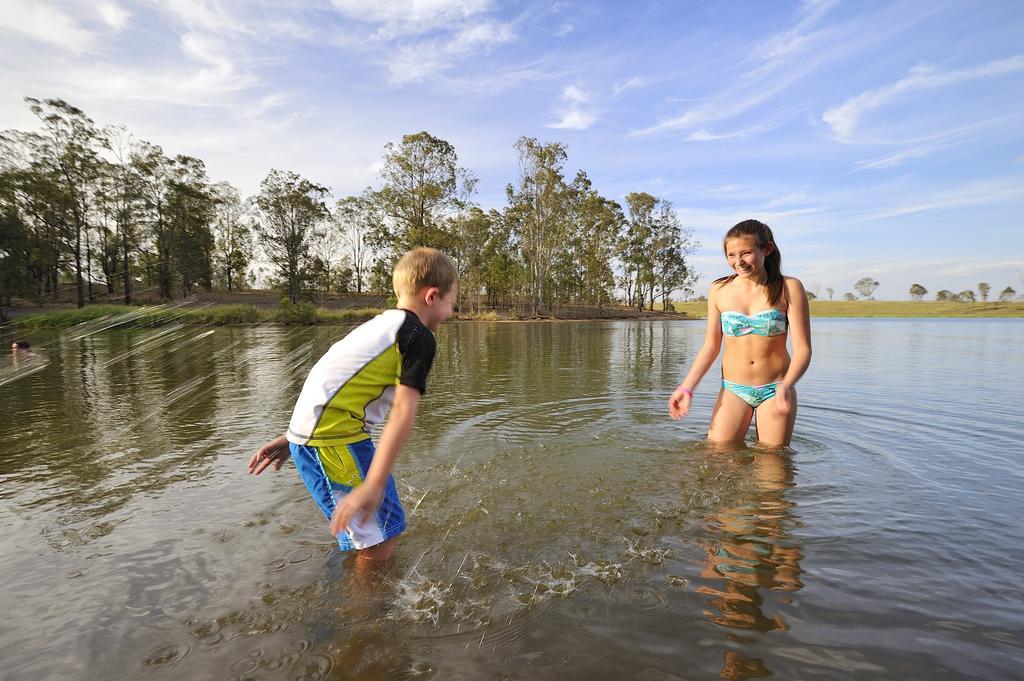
(679, 402)
(799, 331)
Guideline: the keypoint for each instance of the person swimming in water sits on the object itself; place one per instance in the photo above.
(754, 309)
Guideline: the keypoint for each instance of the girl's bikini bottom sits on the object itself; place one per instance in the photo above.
(753, 395)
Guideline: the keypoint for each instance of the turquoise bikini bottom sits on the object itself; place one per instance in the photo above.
(753, 395)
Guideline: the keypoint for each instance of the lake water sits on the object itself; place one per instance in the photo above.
(562, 527)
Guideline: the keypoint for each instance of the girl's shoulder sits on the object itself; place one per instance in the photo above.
(793, 283)
(794, 290)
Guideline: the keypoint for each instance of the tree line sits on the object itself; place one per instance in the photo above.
(917, 292)
(866, 288)
(99, 211)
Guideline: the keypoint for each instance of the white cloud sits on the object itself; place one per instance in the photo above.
(574, 116)
(485, 35)
(573, 93)
(565, 29)
(633, 82)
(266, 103)
(201, 14)
(783, 44)
(727, 189)
(114, 15)
(705, 135)
(844, 118)
(208, 50)
(39, 21)
(398, 18)
(493, 83)
(975, 193)
(215, 83)
(415, 63)
(777, 62)
(574, 120)
(420, 39)
(921, 147)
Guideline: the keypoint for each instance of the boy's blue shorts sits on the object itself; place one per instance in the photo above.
(331, 472)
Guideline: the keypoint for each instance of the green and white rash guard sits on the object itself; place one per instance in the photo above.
(350, 388)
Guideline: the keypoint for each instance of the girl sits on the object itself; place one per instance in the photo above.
(754, 309)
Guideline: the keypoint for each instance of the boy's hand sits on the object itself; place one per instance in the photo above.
(679, 403)
(364, 499)
(273, 453)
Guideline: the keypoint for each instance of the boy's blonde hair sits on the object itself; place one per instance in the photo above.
(424, 267)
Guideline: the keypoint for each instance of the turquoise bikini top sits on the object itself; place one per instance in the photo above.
(771, 322)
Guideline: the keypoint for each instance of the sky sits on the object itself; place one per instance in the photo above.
(881, 139)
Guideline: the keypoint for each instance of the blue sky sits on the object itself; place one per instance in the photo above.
(880, 139)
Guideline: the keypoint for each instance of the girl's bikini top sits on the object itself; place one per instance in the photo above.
(771, 322)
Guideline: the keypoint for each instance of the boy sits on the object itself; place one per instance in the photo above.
(382, 363)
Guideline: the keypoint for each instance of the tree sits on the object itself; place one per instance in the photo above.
(126, 197)
(233, 242)
(30, 199)
(598, 230)
(636, 250)
(983, 289)
(329, 266)
(153, 170)
(472, 231)
(866, 286)
(811, 295)
(944, 295)
(966, 296)
(423, 187)
(380, 277)
(190, 215)
(849, 297)
(1007, 294)
(672, 244)
(355, 218)
(15, 253)
(67, 156)
(829, 291)
(502, 271)
(538, 210)
(917, 291)
(291, 210)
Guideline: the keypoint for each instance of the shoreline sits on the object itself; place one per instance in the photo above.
(151, 316)
(308, 315)
(892, 309)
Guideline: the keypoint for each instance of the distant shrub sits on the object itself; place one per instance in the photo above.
(65, 318)
(360, 314)
(229, 314)
(296, 313)
(488, 316)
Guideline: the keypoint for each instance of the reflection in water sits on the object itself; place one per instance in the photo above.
(751, 549)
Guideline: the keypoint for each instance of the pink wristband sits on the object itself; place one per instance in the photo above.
(686, 390)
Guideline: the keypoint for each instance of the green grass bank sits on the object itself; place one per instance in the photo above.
(212, 315)
(889, 308)
(305, 313)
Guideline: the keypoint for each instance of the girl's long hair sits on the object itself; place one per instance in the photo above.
(774, 283)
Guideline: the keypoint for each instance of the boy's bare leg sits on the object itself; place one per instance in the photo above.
(376, 555)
